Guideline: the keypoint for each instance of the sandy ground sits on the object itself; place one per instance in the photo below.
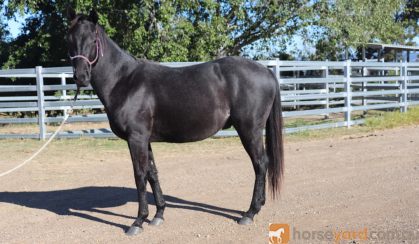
(82, 191)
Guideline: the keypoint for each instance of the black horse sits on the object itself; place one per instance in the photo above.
(147, 102)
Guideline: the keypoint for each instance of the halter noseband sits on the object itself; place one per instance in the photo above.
(99, 47)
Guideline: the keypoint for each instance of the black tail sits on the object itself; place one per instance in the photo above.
(274, 145)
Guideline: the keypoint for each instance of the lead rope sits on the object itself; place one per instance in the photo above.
(49, 140)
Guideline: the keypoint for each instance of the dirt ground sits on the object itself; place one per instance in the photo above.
(82, 191)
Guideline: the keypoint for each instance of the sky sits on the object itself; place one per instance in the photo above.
(15, 25)
(14, 28)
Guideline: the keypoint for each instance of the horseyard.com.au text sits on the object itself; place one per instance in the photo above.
(282, 233)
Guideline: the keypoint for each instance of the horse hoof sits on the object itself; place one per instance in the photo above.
(134, 230)
(245, 221)
(156, 221)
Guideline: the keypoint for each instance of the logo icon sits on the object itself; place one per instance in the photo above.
(279, 233)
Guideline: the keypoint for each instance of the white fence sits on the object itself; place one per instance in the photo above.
(308, 89)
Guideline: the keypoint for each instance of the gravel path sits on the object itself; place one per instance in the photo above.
(83, 191)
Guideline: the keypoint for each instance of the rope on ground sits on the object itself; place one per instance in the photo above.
(47, 142)
(39, 150)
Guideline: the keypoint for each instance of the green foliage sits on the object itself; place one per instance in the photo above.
(189, 30)
(409, 17)
(346, 23)
(3, 36)
(327, 49)
(201, 30)
(41, 41)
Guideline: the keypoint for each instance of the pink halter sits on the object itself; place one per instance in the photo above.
(98, 48)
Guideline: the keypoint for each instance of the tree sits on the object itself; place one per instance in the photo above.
(189, 30)
(409, 17)
(4, 52)
(346, 23)
(41, 41)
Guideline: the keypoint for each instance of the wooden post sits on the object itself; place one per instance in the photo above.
(41, 108)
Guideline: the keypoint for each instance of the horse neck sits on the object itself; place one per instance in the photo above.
(106, 74)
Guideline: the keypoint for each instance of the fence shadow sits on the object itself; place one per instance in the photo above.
(92, 199)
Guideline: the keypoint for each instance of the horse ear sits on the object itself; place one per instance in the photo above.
(93, 16)
(71, 14)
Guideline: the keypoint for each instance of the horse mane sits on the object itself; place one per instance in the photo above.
(144, 60)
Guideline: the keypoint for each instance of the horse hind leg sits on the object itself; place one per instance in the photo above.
(252, 140)
(157, 192)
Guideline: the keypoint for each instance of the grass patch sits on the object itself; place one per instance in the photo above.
(325, 133)
(306, 122)
(376, 120)
(388, 120)
(105, 144)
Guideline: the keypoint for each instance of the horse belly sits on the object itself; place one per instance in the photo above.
(188, 127)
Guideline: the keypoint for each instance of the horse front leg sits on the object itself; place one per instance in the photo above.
(138, 147)
(157, 192)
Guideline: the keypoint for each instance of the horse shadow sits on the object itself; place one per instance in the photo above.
(95, 198)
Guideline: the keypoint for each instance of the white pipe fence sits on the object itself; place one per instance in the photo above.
(308, 89)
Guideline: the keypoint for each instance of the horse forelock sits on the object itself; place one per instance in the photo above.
(76, 19)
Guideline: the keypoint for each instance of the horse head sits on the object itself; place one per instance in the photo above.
(84, 45)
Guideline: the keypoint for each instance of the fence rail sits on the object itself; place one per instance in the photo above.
(308, 88)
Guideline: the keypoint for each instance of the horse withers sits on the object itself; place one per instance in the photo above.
(148, 102)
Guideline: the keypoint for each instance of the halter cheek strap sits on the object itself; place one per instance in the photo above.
(98, 49)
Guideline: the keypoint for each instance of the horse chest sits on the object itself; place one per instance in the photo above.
(122, 124)
(117, 128)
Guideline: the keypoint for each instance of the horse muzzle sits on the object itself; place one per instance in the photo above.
(82, 80)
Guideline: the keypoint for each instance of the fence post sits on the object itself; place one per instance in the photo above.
(364, 88)
(41, 108)
(326, 75)
(348, 99)
(403, 100)
(64, 92)
(278, 75)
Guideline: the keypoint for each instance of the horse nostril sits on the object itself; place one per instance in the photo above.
(75, 77)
